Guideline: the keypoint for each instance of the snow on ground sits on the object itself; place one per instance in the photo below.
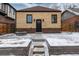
(54, 39)
(62, 42)
(13, 36)
(11, 40)
(14, 42)
(62, 39)
(66, 55)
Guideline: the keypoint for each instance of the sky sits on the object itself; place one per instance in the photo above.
(19, 6)
(27, 5)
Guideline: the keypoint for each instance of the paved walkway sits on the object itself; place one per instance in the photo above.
(39, 46)
(36, 36)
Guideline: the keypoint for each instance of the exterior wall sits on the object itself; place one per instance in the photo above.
(6, 25)
(0, 5)
(69, 24)
(67, 15)
(7, 18)
(46, 24)
(10, 11)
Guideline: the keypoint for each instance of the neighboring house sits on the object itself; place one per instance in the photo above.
(38, 19)
(70, 20)
(7, 18)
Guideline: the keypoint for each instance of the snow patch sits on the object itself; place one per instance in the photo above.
(14, 42)
(66, 55)
(63, 39)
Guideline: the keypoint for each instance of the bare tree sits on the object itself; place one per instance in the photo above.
(69, 5)
(55, 6)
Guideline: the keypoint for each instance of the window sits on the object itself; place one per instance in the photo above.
(14, 14)
(0, 5)
(29, 18)
(6, 8)
(9, 9)
(77, 24)
(54, 18)
(3, 8)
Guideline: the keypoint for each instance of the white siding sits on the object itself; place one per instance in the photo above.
(8, 9)
(5, 8)
(11, 12)
(0, 5)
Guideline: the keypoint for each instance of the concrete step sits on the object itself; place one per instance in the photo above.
(39, 40)
(38, 50)
(39, 46)
(38, 43)
(38, 54)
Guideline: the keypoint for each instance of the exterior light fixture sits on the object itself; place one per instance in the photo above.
(34, 20)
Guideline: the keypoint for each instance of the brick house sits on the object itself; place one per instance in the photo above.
(70, 20)
(7, 18)
(38, 19)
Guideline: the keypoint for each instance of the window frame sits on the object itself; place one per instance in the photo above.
(55, 20)
(0, 5)
(77, 24)
(27, 18)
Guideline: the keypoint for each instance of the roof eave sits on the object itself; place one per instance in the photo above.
(38, 11)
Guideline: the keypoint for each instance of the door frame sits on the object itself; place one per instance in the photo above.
(40, 25)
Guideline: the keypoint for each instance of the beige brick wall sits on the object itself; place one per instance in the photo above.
(21, 19)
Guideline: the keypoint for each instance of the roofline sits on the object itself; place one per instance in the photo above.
(66, 11)
(22, 10)
(69, 10)
(76, 13)
(38, 11)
